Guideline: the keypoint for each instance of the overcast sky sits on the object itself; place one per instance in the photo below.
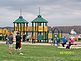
(57, 12)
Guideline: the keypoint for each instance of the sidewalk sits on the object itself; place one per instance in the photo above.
(27, 43)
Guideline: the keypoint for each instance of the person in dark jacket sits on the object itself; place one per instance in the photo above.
(24, 37)
(18, 39)
(64, 41)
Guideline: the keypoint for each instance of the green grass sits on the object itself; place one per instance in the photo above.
(40, 53)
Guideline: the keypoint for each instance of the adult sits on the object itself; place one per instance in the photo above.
(18, 40)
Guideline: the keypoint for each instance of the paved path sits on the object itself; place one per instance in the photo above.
(27, 43)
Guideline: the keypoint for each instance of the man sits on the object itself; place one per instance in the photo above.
(18, 40)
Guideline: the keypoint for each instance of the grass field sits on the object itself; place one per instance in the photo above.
(40, 53)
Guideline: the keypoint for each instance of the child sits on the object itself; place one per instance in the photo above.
(64, 41)
(72, 41)
(68, 45)
(56, 42)
(20, 44)
(10, 43)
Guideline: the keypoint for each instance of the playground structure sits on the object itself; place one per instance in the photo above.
(56, 34)
(4, 32)
(21, 25)
(40, 29)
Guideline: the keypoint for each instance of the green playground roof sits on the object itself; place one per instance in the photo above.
(20, 20)
(39, 19)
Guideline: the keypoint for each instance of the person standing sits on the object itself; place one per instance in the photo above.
(10, 43)
(24, 37)
(18, 40)
(33, 39)
(56, 42)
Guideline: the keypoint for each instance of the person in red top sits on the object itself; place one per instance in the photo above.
(72, 41)
(20, 44)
